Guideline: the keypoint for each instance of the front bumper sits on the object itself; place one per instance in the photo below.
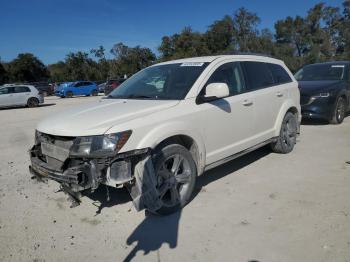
(321, 108)
(132, 169)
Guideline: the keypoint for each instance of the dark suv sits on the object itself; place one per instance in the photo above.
(325, 91)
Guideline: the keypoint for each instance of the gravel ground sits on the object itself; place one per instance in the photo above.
(260, 207)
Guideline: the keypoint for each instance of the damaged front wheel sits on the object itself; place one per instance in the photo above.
(176, 174)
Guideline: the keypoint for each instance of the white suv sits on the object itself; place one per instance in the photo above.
(167, 124)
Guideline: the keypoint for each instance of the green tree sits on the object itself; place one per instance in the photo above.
(27, 68)
(3, 74)
(219, 35)
(245, 28)
(129, 60)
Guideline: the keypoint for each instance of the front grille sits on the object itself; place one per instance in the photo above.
(304, 99)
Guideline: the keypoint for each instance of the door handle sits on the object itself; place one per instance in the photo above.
(247, 103)
(279, 94)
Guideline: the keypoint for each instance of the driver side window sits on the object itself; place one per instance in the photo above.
(231, 74)
(6, 90)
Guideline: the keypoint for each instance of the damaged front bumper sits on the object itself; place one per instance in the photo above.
(132, 169)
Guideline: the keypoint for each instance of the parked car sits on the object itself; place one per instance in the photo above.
(167, 124)
(325, 91)
(20, 95)
(101, 87)
(79, 88)
(112, 84)
(45, 88)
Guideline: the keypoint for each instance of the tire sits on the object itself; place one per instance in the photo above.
(288, 135)
(176, 174)
(94, 93)
(32, 102)
(69, 94)
(339, 111)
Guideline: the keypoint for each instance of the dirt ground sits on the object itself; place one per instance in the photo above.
(260, 207)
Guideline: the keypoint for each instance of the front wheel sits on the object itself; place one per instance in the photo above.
(339, 112)
(176, 174)
(288, 135)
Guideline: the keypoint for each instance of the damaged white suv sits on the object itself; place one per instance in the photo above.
(166, 125)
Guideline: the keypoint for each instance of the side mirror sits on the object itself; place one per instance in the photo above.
(215, 91)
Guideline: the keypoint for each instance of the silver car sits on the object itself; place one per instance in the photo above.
(20, 95)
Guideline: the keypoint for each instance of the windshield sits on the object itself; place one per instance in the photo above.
(172, 81)
(320, 72)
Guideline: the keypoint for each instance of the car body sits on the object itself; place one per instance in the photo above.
(325, 90)
(79, 88)
(101, 87)
(167, 124)
(45, 88)
(20, 95)
(112, 84)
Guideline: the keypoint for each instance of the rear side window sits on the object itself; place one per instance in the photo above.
(258, 75)
(21, 89)
(230, 74)
(279, 74)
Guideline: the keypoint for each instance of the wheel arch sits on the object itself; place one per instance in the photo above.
(176, 134)
(288, 106)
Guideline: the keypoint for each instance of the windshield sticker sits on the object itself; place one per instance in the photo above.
(192, 64)
(338, 65)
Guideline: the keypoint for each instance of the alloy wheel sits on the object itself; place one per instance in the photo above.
(173, 179)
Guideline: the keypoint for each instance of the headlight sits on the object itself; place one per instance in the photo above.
(99, 146)
(321, 95)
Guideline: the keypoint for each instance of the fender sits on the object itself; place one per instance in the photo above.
(161, 132)
(288, 104)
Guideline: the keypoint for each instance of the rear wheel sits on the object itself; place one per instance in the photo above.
(288, 135)
(33, 102)
(176, 174)
(339, 112)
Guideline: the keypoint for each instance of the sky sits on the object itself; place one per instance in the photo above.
(50, 29)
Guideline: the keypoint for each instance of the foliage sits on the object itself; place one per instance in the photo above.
(26, 67)
(323, 34)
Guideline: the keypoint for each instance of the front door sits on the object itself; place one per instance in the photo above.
(227, 123)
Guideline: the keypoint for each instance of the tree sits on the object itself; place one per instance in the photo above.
(3, 74)
(219, 35)
(27, 68)
(245, 28)
(129, 60)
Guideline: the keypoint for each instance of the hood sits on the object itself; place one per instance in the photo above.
(316, 87)
(95, 118)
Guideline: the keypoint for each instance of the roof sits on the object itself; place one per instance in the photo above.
(209, 59)
(332, 63)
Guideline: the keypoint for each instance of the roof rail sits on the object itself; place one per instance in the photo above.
(247, 53)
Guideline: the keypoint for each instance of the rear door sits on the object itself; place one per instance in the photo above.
(260, 83)
(21, 95)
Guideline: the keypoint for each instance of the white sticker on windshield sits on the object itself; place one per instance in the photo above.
(338, 65)
(192, 64)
